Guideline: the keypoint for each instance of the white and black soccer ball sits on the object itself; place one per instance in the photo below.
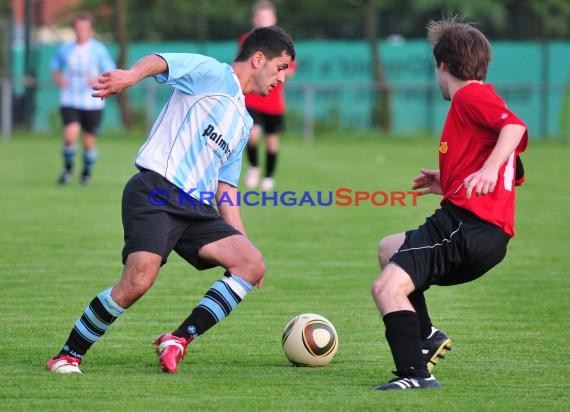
(309, 340)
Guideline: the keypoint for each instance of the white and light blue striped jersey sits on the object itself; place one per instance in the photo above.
(198, 138)
(81, 64)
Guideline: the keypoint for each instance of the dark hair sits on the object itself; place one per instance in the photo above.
(271, 41)
(464, 49)
(82, 16)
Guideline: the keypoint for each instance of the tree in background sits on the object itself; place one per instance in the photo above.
(120, 18)
(381, 108)
(161, 20)
(4, 36)
(373, 20)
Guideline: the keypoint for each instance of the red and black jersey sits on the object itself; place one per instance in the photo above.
(472, 127)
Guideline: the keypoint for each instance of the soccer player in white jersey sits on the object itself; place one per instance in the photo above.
(75, 68)
(194, 150)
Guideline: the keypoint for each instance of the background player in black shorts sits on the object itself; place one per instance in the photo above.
(75, 67)
(268, 112)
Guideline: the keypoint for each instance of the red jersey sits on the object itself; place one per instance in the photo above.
(475, 118)
(274, 102)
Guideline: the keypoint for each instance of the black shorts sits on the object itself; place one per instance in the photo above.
(90, 120)
(271, 123)
(156, 220)
(453, 246)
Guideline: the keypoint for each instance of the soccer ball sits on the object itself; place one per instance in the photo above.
(309, 340)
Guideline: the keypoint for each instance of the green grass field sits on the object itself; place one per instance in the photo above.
(60, 246)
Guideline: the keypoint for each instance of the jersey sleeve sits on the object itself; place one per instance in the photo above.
(106, 62)
(58, 60)
(186, 70)
(490, 112)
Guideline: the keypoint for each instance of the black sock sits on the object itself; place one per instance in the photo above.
(403, 336)
(270, 164)
(97, 317)
(222, 297)
(418, 301)
(68, 153)
(199, 321)
(89, 158)
(252, 155)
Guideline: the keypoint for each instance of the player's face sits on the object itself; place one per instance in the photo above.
(272, 73)
(83, 30)
(264, 17)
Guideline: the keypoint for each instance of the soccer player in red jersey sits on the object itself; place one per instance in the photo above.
(268, 112)
(478, 170)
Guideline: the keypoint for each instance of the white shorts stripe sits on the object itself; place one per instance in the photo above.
(446, 240)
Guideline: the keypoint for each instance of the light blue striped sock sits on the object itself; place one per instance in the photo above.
(68, 153)
(89, 158)
(95, 320)
(224, 296)
(218, 302)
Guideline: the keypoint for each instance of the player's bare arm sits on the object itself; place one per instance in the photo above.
(428, 181)
(484, 180)
(59, 78)
(115, 81)
(229, 210)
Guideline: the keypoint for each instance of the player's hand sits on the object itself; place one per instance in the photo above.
(429, 181)
(113, 82)
(482, 182)
(60, 80)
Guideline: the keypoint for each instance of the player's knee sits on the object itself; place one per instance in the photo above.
(259, 267)
(130, 289)
(375, 289)
(252, 267)
(385, 287)
(139, 283)
(139, 274)
(378, 287)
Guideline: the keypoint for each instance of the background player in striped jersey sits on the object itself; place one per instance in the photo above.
(468, 235)
(268, 112)
(194, 147)
(75, 67)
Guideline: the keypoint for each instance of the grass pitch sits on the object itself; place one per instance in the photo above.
(60, 246)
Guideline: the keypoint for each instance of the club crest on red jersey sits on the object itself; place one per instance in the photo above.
(443, 147)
